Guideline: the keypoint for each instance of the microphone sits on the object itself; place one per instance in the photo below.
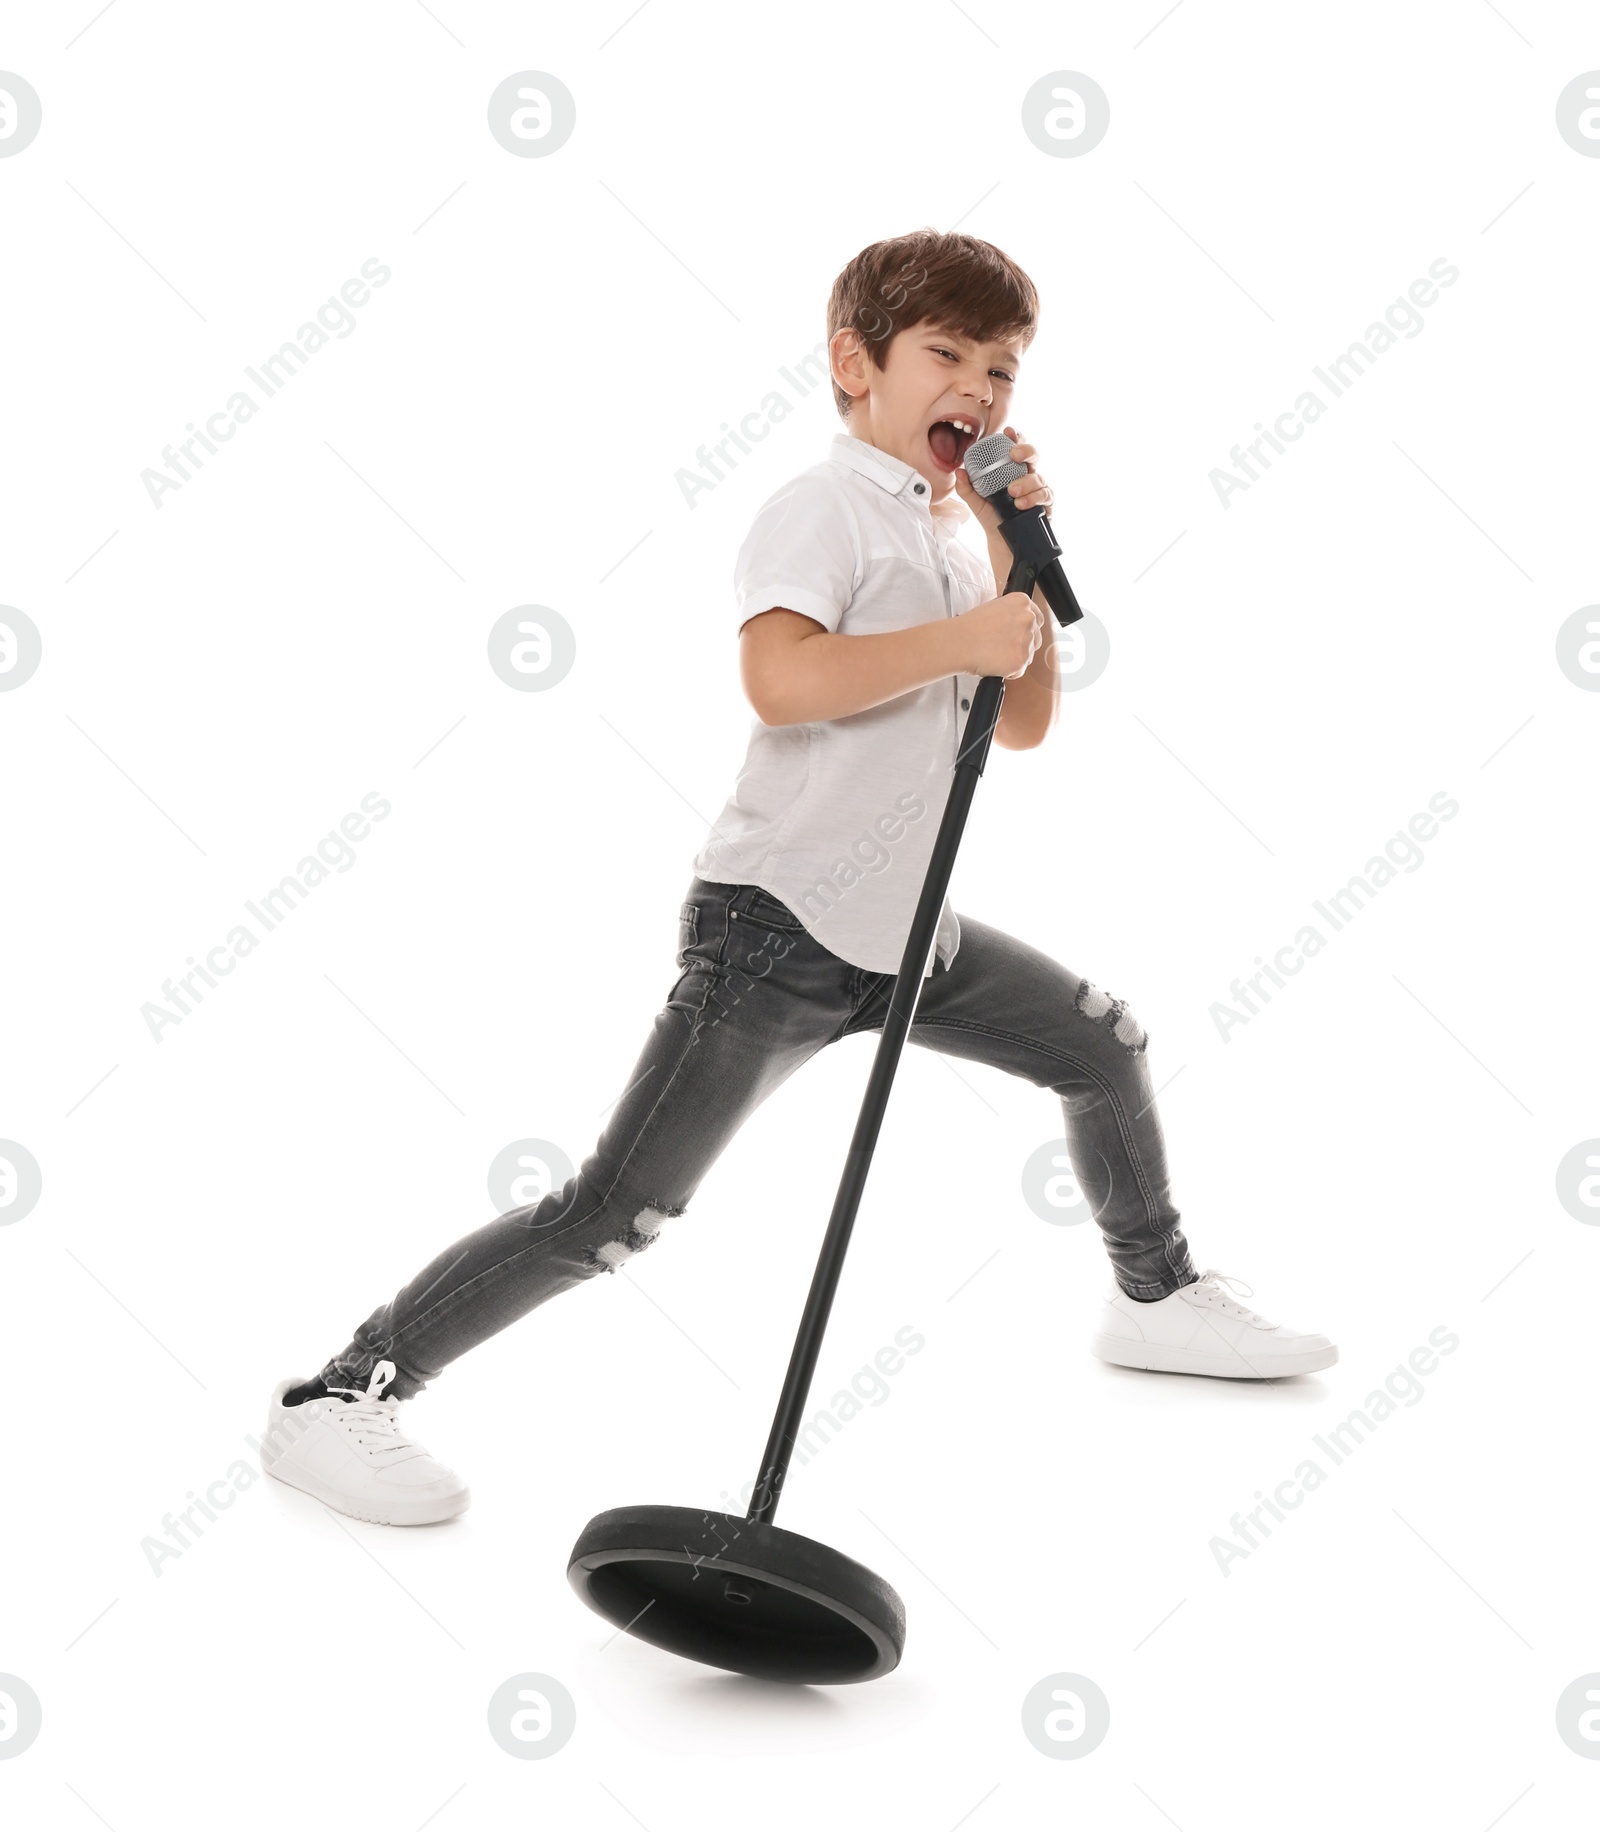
(1027, 532)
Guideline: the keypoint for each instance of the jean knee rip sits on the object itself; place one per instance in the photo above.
(638, 1234)
(1100, 1008)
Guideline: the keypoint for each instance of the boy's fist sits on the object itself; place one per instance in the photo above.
(1001, 635)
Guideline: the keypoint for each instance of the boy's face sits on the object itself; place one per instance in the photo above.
(935, 394)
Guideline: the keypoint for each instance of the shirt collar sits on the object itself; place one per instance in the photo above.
(898, 478)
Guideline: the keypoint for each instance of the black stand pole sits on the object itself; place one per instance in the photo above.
(975, 738)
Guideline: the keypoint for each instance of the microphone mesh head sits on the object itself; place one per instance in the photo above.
(988, 464)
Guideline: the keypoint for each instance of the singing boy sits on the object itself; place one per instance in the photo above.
(864, 626)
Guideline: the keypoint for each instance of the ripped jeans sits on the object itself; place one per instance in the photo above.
(757, 996)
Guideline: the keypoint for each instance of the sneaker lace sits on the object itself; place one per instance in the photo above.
(1214, 1281)
(373, 1421)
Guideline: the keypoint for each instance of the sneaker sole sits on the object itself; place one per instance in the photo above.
(422, 1515)
(1160, 1359)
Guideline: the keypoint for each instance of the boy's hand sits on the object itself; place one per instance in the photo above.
(1030, 492)
(1001, 636)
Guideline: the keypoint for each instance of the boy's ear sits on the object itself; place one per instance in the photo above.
(847, 357)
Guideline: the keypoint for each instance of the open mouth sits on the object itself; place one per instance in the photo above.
(948, 440)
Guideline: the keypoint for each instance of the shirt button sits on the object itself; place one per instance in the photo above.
(965, 704)
(918, 488)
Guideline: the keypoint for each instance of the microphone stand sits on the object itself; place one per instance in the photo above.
(1033, 549)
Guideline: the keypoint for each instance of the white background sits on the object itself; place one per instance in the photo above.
(305, 621)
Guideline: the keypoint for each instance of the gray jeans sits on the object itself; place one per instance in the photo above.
(755, 998)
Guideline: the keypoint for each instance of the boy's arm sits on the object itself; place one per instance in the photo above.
(794, 670)
(1028, 710)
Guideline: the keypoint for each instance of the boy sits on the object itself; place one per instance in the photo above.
(864, 628)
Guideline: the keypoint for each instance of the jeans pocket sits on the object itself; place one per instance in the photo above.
(762, 910)
(688, 931)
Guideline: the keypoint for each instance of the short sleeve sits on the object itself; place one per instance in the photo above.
(801, 554)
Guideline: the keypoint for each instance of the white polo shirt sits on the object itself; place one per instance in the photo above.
(836, 818)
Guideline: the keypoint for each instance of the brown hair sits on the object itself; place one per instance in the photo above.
(935, 276)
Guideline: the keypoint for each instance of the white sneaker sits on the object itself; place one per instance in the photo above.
(1199, 1329)
(352, 1454)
